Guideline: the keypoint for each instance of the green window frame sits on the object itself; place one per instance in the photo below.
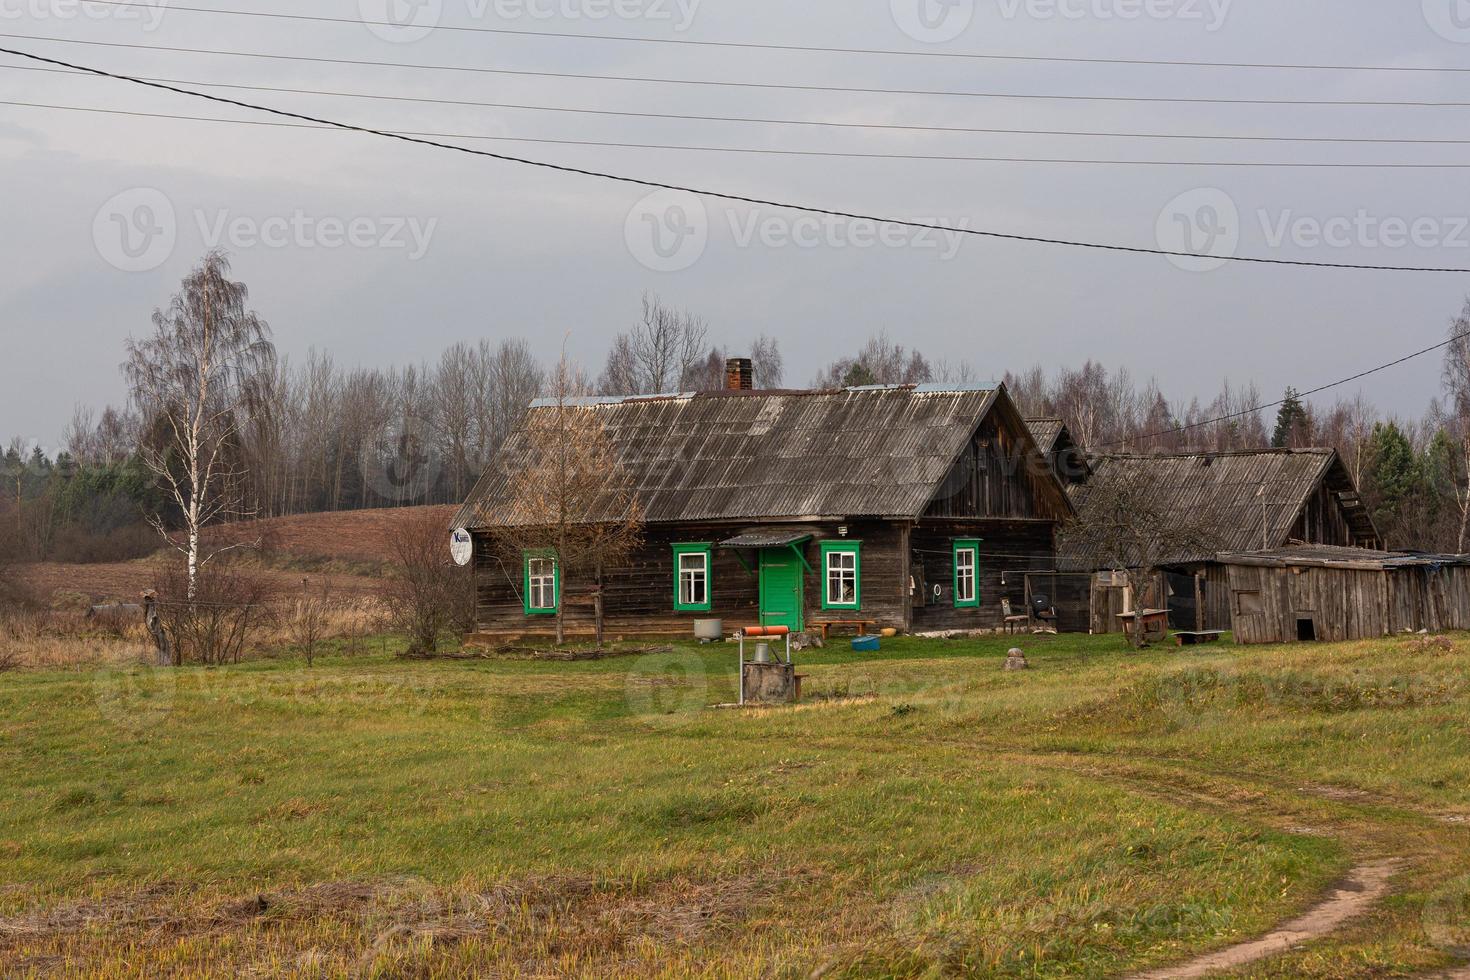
(694, 578)
(842, 575)
(534, 573)
(966, 565)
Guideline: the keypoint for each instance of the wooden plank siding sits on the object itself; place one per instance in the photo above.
(1268, 603)
(638, 596)
(1008, 550)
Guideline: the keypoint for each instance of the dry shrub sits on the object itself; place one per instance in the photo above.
(220, 622)
(428, 593)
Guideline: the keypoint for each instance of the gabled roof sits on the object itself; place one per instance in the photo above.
(1223, 491)
(1045, 432)
(878, 451)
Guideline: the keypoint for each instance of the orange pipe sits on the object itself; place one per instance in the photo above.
(766, 630)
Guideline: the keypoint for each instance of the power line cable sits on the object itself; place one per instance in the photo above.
(1301, 394)
(694, 117)
(719, 195)
(771, 151)
(767, 46)
(477, 69)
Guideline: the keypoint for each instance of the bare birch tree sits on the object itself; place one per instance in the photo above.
(568, 497)
(195, 380)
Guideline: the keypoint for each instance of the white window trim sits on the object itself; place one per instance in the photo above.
(544, 582)
(845, 574)
(687, 576)
(960, 573)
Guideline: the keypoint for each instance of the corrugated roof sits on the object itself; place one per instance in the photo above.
(1220, 490)
(1045, 432)
(1330, 556)
(868, 452)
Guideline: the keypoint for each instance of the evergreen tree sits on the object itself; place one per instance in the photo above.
(1398, 487)
(1293, 424)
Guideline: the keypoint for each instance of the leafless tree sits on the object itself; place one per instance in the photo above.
(767, 364)
(307, 619)
(568, 497)
(661, 353)
(879, 362)
(209, 617)
(425, 586)
(196, 378)
(1125, 527)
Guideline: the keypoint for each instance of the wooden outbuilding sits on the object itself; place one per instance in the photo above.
(913, 507)
(1248, 500)
(1317, 592)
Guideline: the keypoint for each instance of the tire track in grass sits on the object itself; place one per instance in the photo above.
(1354, 895)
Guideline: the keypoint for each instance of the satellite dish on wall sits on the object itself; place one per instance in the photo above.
(461, 546)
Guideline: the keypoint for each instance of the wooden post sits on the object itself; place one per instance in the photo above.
(1199, 602)
(164, 655)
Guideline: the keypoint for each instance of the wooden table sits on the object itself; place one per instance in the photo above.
(1155, 623)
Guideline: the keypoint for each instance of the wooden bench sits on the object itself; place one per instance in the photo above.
(1188, 638)
(861, 625)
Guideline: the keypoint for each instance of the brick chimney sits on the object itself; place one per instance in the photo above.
(739, 374)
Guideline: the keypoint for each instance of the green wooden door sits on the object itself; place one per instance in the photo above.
(781, 589)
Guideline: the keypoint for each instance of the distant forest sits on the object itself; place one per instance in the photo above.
(321, 437)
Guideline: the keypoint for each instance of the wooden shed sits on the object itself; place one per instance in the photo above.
(1250, 500)
(1317, 592)
(916, 507)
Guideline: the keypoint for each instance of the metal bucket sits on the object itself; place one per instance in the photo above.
(709, 629)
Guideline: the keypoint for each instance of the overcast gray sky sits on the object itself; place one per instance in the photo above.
(385, 253)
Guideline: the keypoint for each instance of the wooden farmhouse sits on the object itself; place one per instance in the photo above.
(1248, 501)
(1318, 592)
(899, 507)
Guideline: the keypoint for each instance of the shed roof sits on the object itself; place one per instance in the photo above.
(877, 451)
(1299, 555)
(1224, 491)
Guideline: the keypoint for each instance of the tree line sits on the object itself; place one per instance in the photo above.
(218, 426)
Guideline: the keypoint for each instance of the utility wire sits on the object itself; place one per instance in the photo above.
(765, 46)
(841, 154)
(475, 69)
(1300, 394)
(719, 195)
(692, 117)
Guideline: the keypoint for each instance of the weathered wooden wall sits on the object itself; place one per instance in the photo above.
(638, 596)
(1322, 520)
(1008, 549)
(996, 477)
(1346, 603)
(901, 566)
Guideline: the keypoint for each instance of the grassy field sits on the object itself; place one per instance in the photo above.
(923, 814)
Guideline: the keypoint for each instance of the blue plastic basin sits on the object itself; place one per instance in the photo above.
(865, 644)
